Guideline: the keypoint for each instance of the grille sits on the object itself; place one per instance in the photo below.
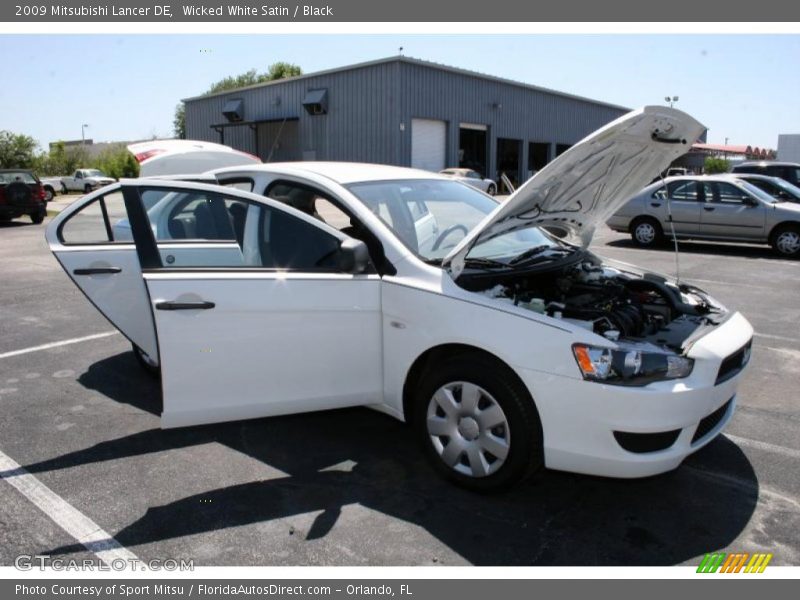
(734, 363)
(641, 443)
(708, 423)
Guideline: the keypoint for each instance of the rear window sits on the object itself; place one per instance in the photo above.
(22, 176)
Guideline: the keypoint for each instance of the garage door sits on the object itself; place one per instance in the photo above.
(428, 139)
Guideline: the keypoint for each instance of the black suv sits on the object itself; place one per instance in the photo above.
(21, 193)
(785, 170)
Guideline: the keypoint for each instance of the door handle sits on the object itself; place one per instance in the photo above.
(708, 208)
(655, 204)
(97, 271)
(201, 305)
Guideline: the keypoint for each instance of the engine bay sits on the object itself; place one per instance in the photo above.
(608, 301)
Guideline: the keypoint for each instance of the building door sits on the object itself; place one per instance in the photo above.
(508, 156)
(428, 144)
(538, 156)
(472, 146)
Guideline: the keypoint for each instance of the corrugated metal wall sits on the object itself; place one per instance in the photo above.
(370, 110)
(361, 124)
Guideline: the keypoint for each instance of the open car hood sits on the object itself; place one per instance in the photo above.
(590, 181)
(180, 157)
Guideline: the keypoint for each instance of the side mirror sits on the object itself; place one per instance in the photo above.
(353, 256)
(751, 202)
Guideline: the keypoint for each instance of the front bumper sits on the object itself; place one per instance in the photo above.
(580, 418)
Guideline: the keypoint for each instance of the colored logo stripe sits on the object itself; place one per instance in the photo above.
(734, 563)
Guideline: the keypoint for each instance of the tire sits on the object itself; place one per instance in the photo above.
(492, 189)
(498, 433)
(49, 194)
(646, 232)
(786, 241)
(87, 189)
(64, 190)
(38, 217)
(150, 366)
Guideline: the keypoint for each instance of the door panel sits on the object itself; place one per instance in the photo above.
(728, 216)
(685, 206)
(272, 344)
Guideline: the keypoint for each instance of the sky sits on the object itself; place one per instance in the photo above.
(744, 88)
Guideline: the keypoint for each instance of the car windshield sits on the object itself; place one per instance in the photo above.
(792, 190)
(432, 216)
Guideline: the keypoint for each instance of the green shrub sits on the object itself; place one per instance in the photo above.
(713, 165)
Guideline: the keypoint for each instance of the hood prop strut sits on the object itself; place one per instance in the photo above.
(672, 231)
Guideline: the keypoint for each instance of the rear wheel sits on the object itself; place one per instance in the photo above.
(786, 240)
(477, 423)
(147, 363)
(49, 193)
(38, 217)
(646, 232)
(87, 189)
(64, 190)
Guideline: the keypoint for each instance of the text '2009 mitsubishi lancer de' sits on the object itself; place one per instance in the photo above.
(296, 287)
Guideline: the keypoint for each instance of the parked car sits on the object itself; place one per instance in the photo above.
(173, 157)
(778, 188)
(472, 178)
(85, 180)
(710, 207)
(785, 170)
(506, 348)
(50, 185)
(21, 193)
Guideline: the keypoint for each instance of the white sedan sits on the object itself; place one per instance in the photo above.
(472, 178)
(307, 286)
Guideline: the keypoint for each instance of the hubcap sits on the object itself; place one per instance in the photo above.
(788, 242)
(468, 429)
(645, 233)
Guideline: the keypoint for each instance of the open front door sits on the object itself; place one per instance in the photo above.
(253, 316)
(105, 266)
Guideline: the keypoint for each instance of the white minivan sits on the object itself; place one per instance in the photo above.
(293, 287)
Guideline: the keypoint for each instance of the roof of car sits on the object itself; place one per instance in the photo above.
(341, 172)
(766, 163)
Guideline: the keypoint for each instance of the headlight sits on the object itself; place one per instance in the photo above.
(629, 366)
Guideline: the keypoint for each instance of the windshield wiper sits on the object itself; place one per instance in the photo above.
(535, 252)
(484, 263)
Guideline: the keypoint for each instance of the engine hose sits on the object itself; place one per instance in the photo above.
(670, 296)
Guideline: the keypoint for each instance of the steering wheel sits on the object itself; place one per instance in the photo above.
(447, 232)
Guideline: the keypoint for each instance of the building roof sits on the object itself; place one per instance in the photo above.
(418, 62)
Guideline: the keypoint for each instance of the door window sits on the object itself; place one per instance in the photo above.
(102, 221)
(730, 194)
(684, 190)
(195, 229)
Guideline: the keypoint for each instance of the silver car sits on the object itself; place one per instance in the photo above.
(472, 178)
(710, 207)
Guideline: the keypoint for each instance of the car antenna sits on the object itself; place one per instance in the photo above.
(672, 231)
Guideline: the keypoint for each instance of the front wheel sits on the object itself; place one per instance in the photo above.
(786, 241)
(478, 424)
(149, 364)
(87, 189)
(646, 232)
(64, 190)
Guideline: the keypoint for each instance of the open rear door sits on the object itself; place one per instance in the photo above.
(106, 269)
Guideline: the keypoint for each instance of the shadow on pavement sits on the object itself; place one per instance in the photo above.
(708, 248)
(557, 519)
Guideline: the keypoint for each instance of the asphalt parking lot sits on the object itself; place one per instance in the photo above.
(349, 487)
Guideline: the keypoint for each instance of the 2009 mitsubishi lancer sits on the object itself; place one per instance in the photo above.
(302, 286)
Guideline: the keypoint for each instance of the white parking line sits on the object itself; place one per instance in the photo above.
(63, 514)
(767, 447)
(87, 338)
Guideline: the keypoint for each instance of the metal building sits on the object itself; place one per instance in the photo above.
(400, 111)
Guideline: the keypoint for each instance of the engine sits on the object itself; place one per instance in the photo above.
(609, 302)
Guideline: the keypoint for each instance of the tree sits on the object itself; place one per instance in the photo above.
(278, 70)
(116, 162)
(17, 151)
(712, 165)
(179, 121)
